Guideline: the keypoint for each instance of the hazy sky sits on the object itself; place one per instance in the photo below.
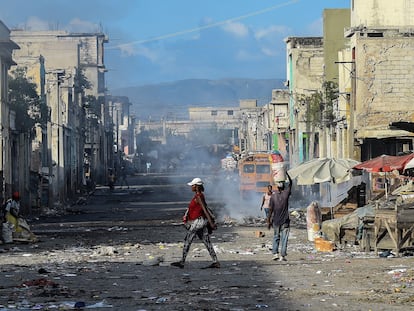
(153, 41)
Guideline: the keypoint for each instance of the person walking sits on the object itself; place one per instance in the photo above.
(266, 199)
(279, 219)
(111, 179)
(124, 177)
(198, 219)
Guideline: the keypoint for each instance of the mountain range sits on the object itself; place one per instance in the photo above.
(171, 100)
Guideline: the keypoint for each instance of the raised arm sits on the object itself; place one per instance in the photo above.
(263, 200)
(290, 181)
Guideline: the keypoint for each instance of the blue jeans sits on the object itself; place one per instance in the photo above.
(281, 234)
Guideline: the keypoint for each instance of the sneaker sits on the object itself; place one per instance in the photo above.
(275, 256)
(283, 258)
(214, 265)
(178, 264)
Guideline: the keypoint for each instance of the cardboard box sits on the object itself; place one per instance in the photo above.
(259, 234)
(322, 245)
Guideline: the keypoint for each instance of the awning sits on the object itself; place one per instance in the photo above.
(383, 133)
(403, 125)
(385, 163)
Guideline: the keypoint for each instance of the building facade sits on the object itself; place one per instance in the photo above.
(73, 71)
(335, 21)
(273, 124)
(123, 129)
(7, 46)
(305, 77)
(382, 54)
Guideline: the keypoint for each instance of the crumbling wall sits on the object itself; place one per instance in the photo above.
(373, 13)
(384, 81)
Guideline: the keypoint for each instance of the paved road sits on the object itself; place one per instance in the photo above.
(148, 197)
(114, 253)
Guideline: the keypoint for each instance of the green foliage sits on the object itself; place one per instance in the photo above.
(320, 111)
(315, 108)
(26, 102)
(92, 105)
(81, 82)
(331, 95)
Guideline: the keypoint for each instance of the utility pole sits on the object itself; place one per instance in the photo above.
(55, 136)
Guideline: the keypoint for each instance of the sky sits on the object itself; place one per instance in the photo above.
(158, 41)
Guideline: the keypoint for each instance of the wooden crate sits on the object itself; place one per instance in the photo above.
(352, 206)
(326, 213)
(396, 225)
(342, 212)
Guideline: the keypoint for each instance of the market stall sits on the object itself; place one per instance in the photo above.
(394, 227)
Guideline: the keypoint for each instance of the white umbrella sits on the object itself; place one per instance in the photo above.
(321, 170)
(409, 164)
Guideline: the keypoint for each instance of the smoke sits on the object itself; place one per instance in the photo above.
(224, 189)
(199, 155)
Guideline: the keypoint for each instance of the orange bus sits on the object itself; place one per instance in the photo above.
(257, 171)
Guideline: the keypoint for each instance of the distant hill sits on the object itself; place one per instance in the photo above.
(174, 98)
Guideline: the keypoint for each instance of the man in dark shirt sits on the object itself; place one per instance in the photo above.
(279, 219)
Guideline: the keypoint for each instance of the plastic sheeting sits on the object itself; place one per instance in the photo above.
(331, 229)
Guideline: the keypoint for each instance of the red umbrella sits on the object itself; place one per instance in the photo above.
(385, 163)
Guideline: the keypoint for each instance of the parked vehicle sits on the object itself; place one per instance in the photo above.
(258, 170)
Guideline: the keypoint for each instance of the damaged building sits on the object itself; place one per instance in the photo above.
(304, 78)
(68, 70)
(365, 57)
(382, 57)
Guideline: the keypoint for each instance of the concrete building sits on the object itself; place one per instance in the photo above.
(274, 118)
(382, 55)
(214, 114)
(244, 128)
(7, 46)
(305, 76)
(252, 133)
(345, 126)
(33, 152)
(335, 21)
(74, 69)
(99, 141)
(123, 128)
(375, 13)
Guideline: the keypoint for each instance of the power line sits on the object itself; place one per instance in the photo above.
(183, 32)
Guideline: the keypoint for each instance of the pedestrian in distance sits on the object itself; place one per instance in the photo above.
(20, 229)
(199, 222)
(111, 179)
(124, 180)
(279, 219)
(266, 199)
(12, 209)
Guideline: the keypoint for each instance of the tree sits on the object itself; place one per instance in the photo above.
(82, 82)
(25, 101)
(321, 105)
(92, 105)
(331, 96)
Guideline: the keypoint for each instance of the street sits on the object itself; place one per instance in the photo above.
(114, 253)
